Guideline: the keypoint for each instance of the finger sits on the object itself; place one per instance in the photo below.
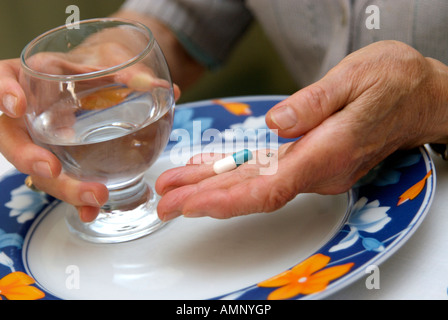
(177, 177)
(198, 168)
(88, 213)
(75, 192)
(178, 201)
(18, 148)
(235, 193)
(177, 92)
(237, 198)
(12, 97)
(244, 190)
(308, 107)
(45, 168)
(142, 80)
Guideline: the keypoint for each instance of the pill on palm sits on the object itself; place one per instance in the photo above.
(232, 162)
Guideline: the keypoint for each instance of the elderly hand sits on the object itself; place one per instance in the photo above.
(381, 98)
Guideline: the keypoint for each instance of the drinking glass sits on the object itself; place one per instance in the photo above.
(100, 97)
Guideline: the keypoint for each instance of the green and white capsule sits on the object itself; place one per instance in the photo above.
(232, 162)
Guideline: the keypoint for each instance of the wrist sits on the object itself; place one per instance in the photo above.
(185, 70)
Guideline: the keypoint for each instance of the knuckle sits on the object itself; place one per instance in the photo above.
(6, 66)
(18, 157)
(316, 98)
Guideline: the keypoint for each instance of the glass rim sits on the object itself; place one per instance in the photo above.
(93, 74)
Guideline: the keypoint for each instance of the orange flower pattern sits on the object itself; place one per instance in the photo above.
(305, 278)
(414, 191)
(17, 286)
(236, 108)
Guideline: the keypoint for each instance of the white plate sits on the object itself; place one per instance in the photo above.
(218, 259)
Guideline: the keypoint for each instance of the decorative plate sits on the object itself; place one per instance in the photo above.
(313, 247)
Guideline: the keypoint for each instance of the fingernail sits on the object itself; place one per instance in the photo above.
(10, 102)
(89, 198)
(141, 82)
(195, 214)
(170, 216)
(42, 169)
(87, 214)
(284, 117)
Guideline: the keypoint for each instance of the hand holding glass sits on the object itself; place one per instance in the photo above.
(100, 97)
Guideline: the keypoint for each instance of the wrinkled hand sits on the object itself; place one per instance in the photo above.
(381, 98)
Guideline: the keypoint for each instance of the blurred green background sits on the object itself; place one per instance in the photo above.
(253, 68)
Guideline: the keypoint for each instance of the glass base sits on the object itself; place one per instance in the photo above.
(122, 219)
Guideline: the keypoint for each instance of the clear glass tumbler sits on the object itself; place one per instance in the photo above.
(100, 97)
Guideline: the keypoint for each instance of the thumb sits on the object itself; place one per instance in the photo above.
(309, 107)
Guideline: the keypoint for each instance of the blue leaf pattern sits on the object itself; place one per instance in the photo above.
(25, 203)
(10, 240)
(365, 217)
